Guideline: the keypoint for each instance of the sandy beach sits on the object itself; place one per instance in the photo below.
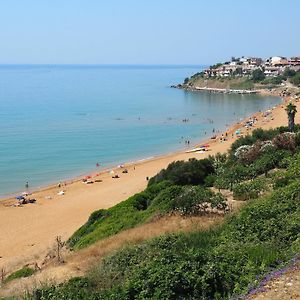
(28, 232)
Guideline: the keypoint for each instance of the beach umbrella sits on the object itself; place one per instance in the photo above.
(25, 194)
(20, 198)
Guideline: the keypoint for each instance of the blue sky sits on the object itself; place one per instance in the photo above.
(146, 32)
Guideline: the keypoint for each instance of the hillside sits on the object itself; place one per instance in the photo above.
(224, 261)
(221, 83)
(289, 79)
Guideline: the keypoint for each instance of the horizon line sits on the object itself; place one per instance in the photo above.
(97, 64)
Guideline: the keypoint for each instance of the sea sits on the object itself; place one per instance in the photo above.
(58, 121)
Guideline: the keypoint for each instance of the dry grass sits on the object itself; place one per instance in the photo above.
(77, 263)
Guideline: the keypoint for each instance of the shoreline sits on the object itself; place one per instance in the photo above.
(215, 90)
(95, 173)
(28, 232)
(114, 167)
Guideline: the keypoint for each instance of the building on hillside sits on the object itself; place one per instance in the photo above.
(255, 61)
(279, 61)
(244, 66)
(294, 61)
(271, 71)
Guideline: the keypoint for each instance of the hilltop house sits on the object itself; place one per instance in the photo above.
(244, 66)
(295, 61)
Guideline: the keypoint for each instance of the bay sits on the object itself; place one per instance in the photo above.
(57, 122)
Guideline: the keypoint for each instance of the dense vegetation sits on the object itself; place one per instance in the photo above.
(214, 264)
(295, 79)
(182, 173)
(172, 190)
(201, 265)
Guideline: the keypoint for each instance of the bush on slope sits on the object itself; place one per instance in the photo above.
(214, 264)
(158, 199)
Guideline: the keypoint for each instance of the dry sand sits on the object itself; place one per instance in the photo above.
(28, 232)
(79, 263)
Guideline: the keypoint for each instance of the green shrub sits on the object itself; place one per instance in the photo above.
(292, 173)
(188, 200)
(249, 190)
(258, 75)
(192, 200)
(232, 175)
(141, 201)
(164, 201)
(295, 79)
(75, 289)
(24, 272)
(269, 160)
(159, 198)
(289, 73)
(214, 264)
(125, 215)
(209, 180)
(192, 172)
(186, 80)
(274, 80)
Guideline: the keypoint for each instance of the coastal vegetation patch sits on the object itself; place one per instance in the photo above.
(22, 273)
(219, 263)
(176, 189)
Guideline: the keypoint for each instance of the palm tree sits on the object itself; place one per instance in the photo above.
(291, 110)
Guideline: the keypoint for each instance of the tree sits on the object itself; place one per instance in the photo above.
(289, 72)
(295, 79)
(238, 71)
(291, 110)
(186, 80)
(258, 75)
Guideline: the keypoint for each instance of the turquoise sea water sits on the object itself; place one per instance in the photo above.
(56, 122)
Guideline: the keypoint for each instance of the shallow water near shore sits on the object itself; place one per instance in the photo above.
(57, 122)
